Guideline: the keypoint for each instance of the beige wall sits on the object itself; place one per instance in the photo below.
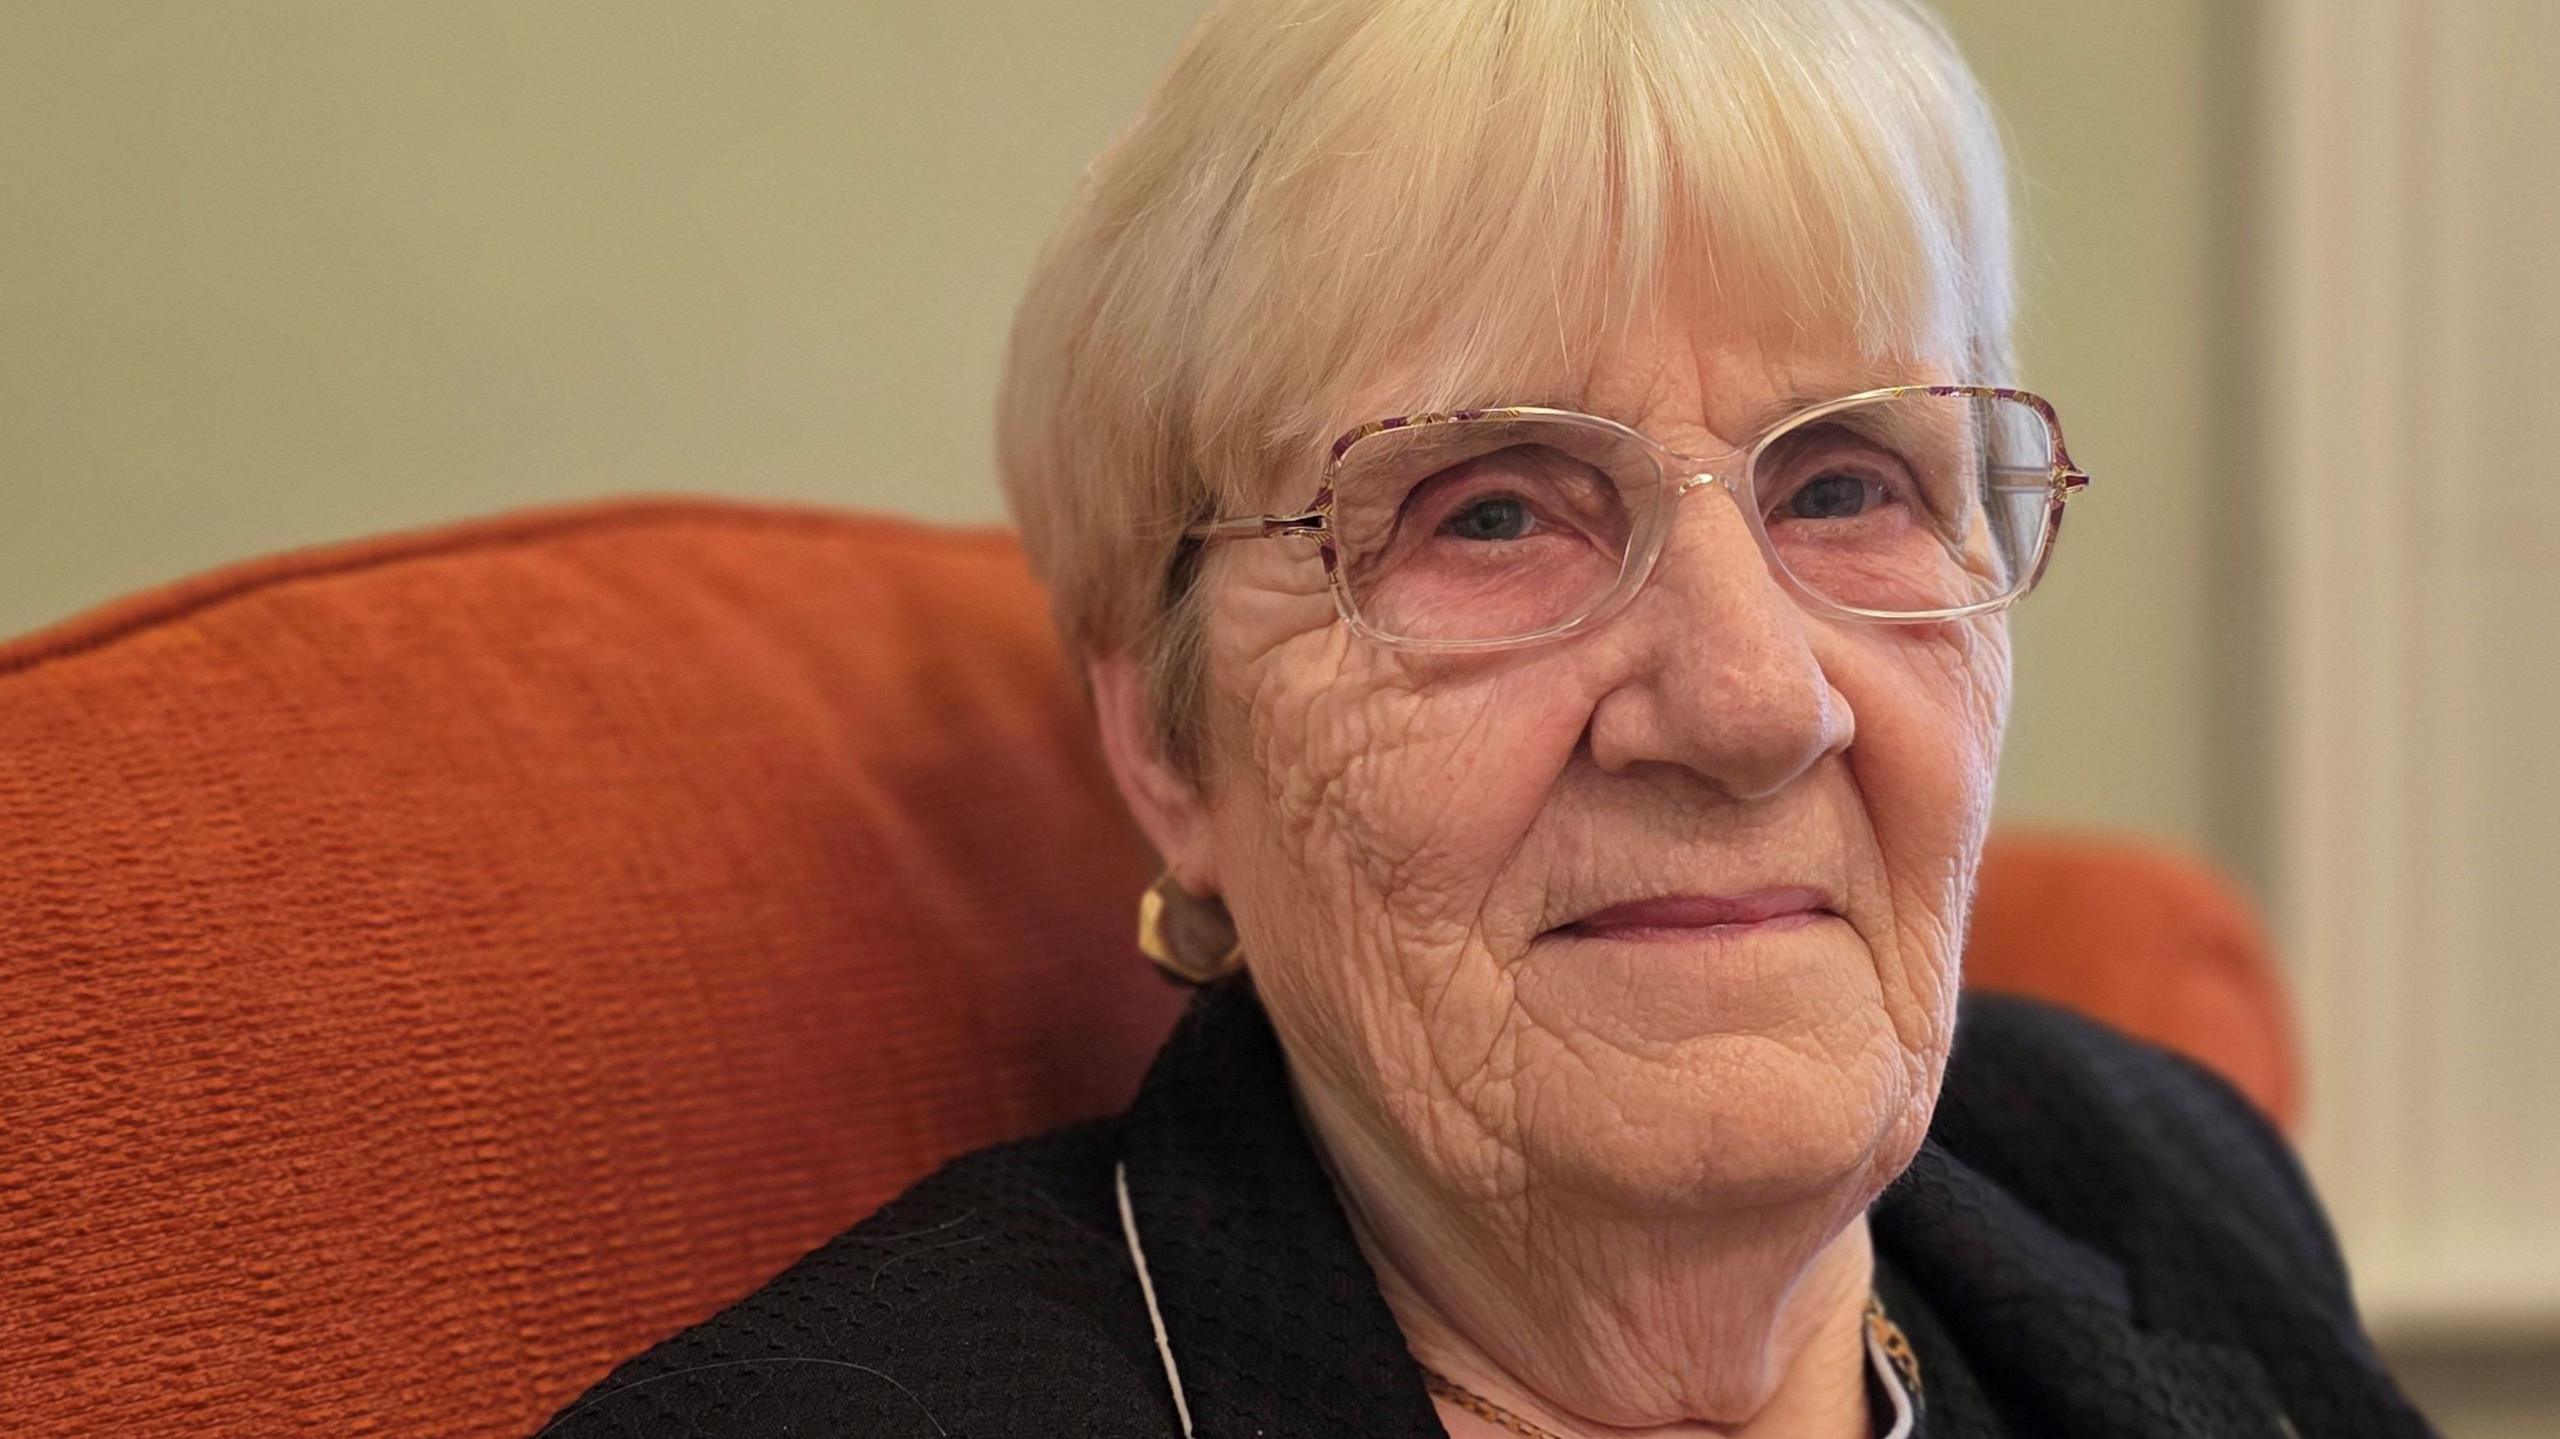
(284, 270)
(2119, 717)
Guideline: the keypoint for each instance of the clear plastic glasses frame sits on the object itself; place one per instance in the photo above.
(1678, 474)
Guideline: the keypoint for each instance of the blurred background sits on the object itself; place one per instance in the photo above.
(274, 273)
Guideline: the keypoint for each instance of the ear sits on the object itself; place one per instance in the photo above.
(1168, 806)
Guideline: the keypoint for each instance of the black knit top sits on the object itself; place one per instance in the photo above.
(2098, 1239)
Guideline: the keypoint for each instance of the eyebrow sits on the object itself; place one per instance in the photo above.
(1578, 404)
(1758, 418)
(1793, 401)
(1755, 420)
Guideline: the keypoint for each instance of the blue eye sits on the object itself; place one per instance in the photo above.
(1493, 517)
(1832, 497)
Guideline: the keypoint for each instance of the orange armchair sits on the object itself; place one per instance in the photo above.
(432, 969)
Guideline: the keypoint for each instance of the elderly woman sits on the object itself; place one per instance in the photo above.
(1534, 487)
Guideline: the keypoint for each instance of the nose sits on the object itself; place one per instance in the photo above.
(1718, 672)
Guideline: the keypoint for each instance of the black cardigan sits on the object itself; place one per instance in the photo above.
(2098, 1239)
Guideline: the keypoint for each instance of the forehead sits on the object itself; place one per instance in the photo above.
(1681, 378)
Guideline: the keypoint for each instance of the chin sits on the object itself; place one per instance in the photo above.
(1766, 1126)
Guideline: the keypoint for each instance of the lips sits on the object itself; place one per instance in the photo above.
(1678, 914)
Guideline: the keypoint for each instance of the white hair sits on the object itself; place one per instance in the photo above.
(1454, 197)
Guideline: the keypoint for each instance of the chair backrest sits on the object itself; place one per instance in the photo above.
(434, 968)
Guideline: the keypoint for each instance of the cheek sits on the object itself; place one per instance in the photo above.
(1942, 693)
(1408, 784)
(1371, 810)
(1931, 703)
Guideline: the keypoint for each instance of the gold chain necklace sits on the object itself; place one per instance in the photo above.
(1880, 1327)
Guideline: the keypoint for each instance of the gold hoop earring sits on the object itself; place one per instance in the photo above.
(1177, 928)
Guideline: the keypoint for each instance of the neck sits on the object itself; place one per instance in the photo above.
(1748, 1324)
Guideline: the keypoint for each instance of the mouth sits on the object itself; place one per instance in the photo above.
(1705, 916)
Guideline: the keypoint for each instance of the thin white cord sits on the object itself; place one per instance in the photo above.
(1155, 1316)
(1892, 1377)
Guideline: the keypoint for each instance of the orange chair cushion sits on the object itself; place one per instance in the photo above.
(433, 969)
(438, 968)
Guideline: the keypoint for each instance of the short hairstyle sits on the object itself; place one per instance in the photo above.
(1453, 197)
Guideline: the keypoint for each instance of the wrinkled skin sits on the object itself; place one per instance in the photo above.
(1608, 1180)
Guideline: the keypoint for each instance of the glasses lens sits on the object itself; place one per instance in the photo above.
(1483, 530)
(1909, 504)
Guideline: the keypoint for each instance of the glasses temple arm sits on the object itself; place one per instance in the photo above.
(1254, 527)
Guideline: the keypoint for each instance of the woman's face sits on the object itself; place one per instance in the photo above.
(1478, 893)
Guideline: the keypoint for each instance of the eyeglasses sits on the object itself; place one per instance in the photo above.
(1493, 529)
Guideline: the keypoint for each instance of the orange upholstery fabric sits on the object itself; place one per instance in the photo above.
(433, 969)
